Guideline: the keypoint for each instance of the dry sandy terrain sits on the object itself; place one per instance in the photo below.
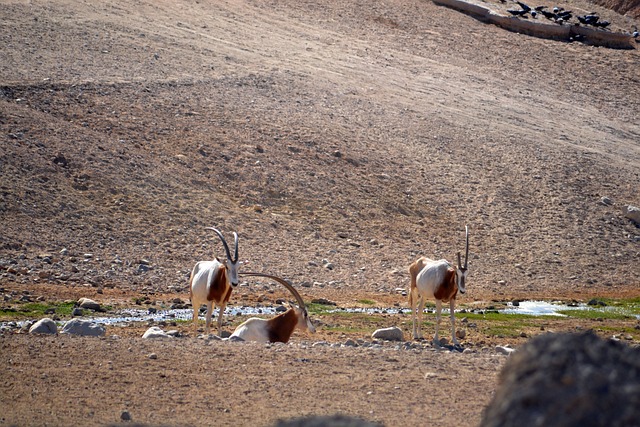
(357, 134)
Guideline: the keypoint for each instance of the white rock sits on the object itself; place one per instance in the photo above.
(44, 326)
(504, 350)
(83, 328)
(88, 304)
(389, 334)
(155, 332)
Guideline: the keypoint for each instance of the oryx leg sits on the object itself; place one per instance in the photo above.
(417, 311)
(436, 339)
(195, 317)
(452, 304)
(221, 308)
(208, 316)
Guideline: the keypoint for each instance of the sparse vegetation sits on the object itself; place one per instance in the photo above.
(36, 310)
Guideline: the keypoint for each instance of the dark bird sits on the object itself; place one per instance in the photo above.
(602, 24)
(539, 8)
(534, 14)
(588, 19)
(548, 15)
(565, 15)
(517, 12)
(635, 34)
(523, 6)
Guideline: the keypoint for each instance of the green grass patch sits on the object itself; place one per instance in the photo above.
(596, 313)
(318, 309)
(629, 305)
(37, 310)
(493, 316)
(502, 330)
(366, 302)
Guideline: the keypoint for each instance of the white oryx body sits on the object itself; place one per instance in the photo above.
(438, 280)
(211, 282)
(277, 329)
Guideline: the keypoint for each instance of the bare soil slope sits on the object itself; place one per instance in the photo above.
(360, 134)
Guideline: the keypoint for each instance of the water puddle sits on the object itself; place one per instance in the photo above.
(186, 314)
(544, 308)
(541, 308)
(128, 316)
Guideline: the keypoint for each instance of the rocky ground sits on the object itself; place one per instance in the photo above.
(341, 140)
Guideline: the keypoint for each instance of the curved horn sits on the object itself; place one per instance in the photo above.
(235, 256)
(224, 242)
(466, 255)
(283, 282)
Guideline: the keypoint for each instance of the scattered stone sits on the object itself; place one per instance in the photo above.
(504, 350)
(568, 380)
(153, 356)
(350, 343)
(461, 333)
(83, 328)
(632, 213)
(606, 201)
(155, 332)
(125, 416)
(388, 334)
(88, 304)
(44, 326)
(77, 312)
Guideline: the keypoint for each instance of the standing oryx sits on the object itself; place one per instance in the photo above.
(212, 282)
(438, 280)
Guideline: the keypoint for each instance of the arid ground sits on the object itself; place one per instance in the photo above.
(341, 140)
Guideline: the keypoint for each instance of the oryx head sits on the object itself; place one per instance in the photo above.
(231, 264)
(304, 321)
(461, 271)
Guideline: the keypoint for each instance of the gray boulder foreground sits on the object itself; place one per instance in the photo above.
(568, 380)
(326, 421)
(44, 326)
(83, 328)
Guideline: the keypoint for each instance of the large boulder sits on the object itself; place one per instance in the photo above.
(89, 304)
(633, 213)
(389, 334)
(44, 326)
(83, 328)
(568, 380)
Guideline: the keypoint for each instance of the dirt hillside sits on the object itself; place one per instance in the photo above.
(341, 140)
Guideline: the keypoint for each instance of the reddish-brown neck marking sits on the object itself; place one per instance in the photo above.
(448, 289)
(281, 327)
(219, 289)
